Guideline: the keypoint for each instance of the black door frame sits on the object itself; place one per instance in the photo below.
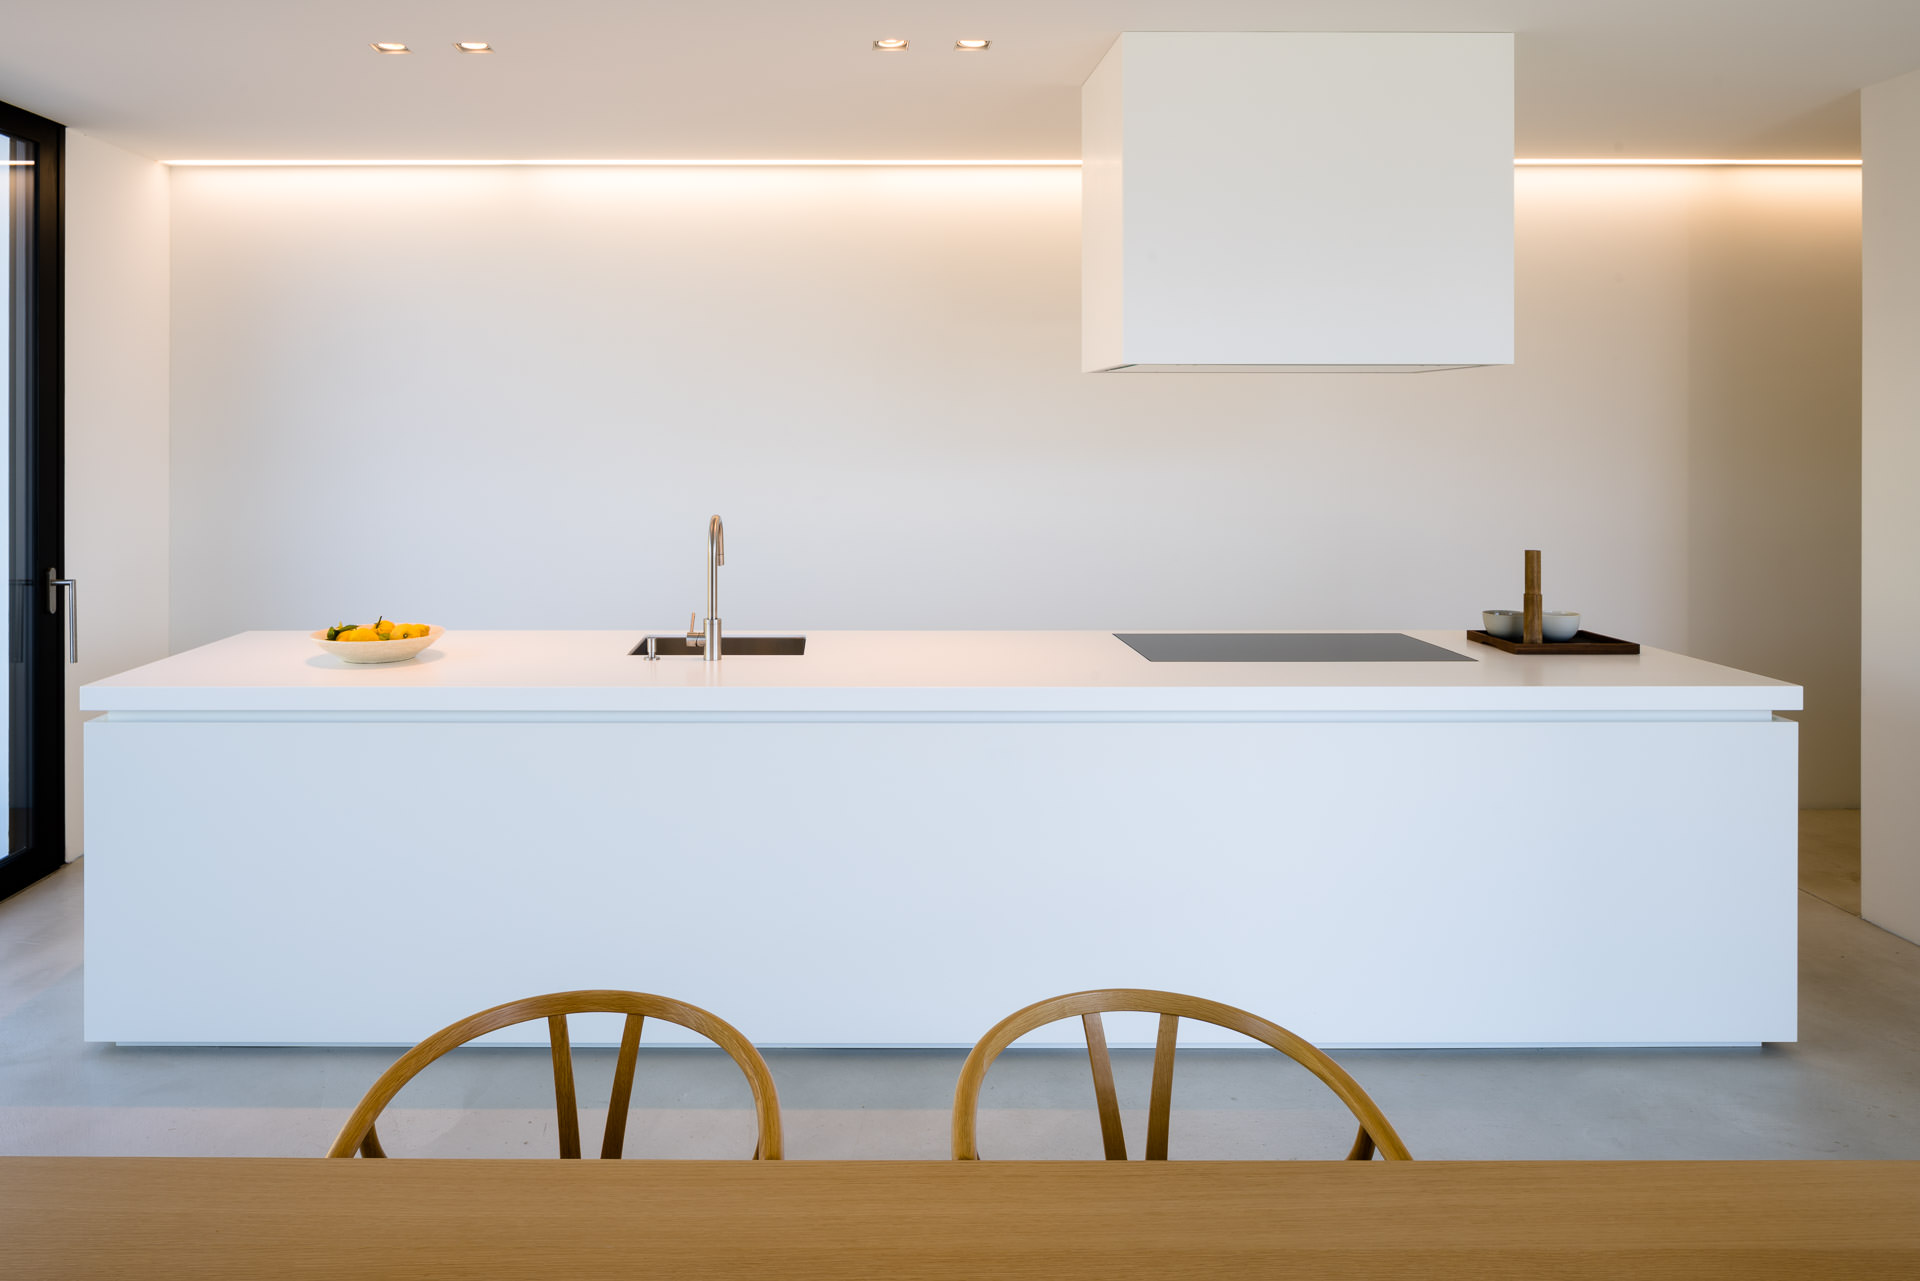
(42, 523)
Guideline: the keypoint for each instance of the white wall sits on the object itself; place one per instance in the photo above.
(511, 397)
(1890, 515)
(1773, 447)
(117, 413)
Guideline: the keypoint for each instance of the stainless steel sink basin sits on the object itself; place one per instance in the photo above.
(1286, 647)
(730, 646)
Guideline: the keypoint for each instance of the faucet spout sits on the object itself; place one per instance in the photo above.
(716, 557)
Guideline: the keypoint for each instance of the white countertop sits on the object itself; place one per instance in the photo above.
(912, 674)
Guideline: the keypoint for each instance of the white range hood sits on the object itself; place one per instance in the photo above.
(1298, 200)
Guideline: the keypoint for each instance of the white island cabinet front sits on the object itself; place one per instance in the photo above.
(897, 838)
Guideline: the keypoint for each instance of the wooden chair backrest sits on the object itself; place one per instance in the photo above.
(359, 1135)
(1375, 1131)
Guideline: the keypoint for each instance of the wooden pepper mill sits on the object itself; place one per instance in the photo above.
(1530, 622)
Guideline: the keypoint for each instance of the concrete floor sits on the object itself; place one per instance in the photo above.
(1850, 1088)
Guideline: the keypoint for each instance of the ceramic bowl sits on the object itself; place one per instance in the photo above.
(1559, 625)
(1503, 623)
(390, 651)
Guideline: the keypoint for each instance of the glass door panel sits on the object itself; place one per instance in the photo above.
(13, 276)
(31, 338)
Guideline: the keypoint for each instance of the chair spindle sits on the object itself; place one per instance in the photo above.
(563, 1102)
(1160, 1109)
(1112, 1136)
(615, 1139)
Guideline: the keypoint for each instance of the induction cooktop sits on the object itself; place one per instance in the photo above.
(1286, 647)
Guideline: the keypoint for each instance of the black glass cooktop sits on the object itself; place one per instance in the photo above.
(1286, 647)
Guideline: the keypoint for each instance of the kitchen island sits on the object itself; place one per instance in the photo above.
(896, 838)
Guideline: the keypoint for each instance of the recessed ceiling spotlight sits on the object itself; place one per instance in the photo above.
(892, 44)
(473, 46)
(970, 46)
(384, 47)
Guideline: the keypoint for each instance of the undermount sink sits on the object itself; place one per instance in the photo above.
(1286, 647)
(730, 646)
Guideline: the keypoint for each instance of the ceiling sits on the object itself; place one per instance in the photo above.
(798, 79)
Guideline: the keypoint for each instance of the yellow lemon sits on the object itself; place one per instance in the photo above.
(360, 634)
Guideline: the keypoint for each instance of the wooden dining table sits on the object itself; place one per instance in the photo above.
(213, 1218)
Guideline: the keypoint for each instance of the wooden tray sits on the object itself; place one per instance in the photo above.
(1582, 643)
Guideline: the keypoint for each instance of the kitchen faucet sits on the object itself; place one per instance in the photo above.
(716, 557)
(710, 642)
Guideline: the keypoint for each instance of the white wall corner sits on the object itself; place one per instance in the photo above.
(1889, 515)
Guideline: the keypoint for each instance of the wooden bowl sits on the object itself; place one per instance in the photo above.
(387, 651)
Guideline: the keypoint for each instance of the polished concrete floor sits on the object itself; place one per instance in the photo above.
(1849, 1088)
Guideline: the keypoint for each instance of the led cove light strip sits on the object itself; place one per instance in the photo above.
(1567, 162)
(638, 164)
(1614, 162)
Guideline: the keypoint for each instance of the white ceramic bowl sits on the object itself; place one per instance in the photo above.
(1503, 623)
(390, 651)
(1559, 625)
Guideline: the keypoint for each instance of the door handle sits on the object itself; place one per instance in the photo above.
(72, 588)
